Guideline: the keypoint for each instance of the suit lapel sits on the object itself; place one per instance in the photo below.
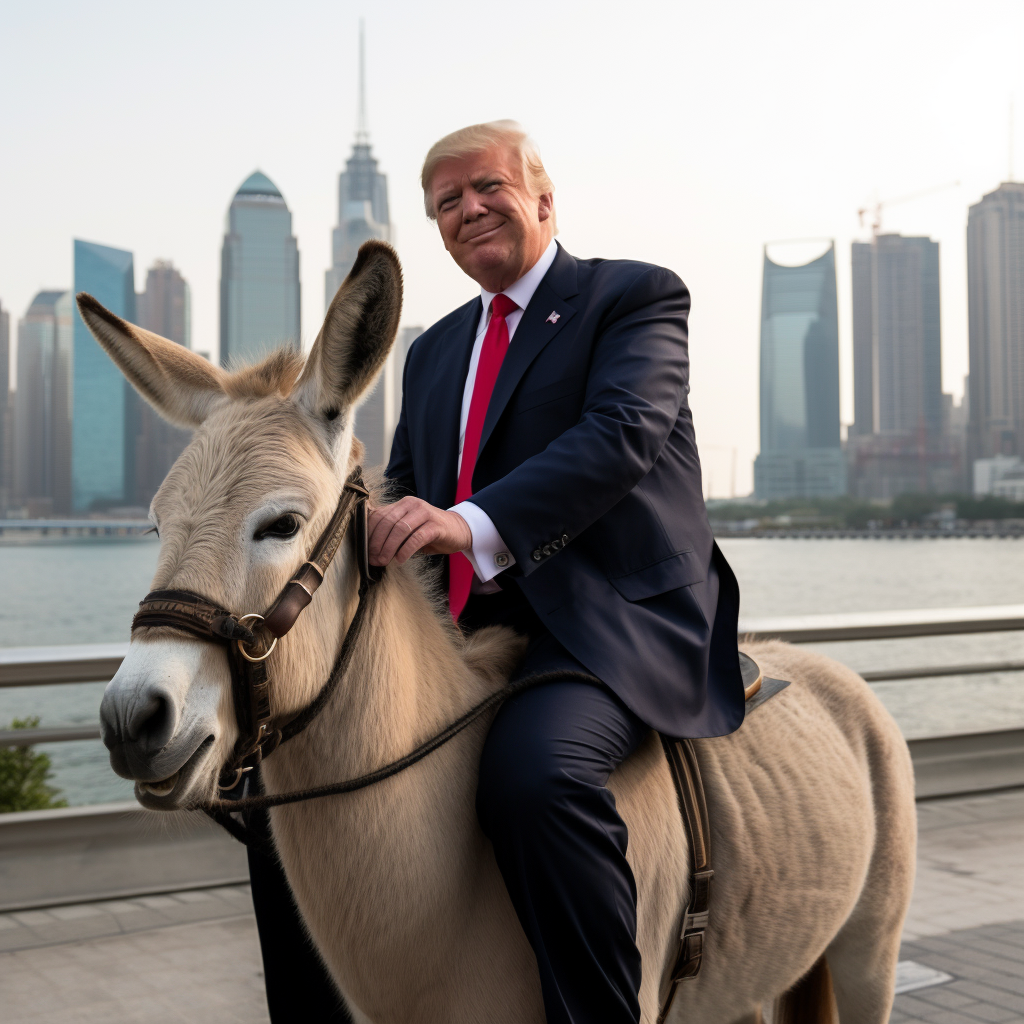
(446, 399)
(547, 313)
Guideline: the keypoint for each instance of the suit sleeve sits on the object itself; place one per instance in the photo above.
(635, 388)
(400, 471)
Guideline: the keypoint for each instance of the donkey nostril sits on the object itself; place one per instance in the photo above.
(152, 721)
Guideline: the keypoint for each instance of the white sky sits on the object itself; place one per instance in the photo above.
(679, 133)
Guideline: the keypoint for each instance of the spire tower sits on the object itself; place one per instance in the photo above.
(362, 131)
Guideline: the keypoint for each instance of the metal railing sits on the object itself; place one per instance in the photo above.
(81, 663)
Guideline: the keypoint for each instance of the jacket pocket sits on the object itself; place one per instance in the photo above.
(679, 570)
(551, 392)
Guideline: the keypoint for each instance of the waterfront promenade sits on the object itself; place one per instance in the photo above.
(193, 956)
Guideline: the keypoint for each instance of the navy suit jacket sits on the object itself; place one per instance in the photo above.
(588, 468)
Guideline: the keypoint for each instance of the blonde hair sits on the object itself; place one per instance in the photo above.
(475, 139)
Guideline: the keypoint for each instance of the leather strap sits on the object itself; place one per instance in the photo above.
(247, 649)
(682, 762)
(190, 613)
(299, 590)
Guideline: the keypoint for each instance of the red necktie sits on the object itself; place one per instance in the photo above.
(492, 352)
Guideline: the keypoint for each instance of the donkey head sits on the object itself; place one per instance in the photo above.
(237, 514)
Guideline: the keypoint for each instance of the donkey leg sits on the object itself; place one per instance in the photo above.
(863, 963)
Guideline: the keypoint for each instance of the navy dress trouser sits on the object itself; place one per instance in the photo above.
(561, 845)
(558, 840)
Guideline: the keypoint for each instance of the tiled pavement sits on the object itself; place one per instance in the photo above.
(188, 958)
(987, 965)
(970, 864)
(193, 956)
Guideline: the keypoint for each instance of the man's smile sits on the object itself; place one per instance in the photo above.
(481, 236)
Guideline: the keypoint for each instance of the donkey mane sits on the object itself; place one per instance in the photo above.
(275, 374)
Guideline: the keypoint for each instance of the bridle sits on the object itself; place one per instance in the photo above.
(249, 646)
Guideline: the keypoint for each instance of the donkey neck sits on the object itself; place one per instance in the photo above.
(406, 680)
(368, 868)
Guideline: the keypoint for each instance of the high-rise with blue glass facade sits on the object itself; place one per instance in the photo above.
(801, 454)
(102, 459)
(259, 274)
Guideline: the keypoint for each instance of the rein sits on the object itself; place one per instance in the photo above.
(248, 649)
(221, 810)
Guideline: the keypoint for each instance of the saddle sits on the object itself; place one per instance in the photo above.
(682, 762)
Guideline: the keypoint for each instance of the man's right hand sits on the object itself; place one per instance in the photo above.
(398, 531)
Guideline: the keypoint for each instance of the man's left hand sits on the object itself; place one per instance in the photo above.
(398, 531)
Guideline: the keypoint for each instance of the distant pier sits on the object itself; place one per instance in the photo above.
(22, 530)
(998, 531)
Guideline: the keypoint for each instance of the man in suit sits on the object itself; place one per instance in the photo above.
(546, 446)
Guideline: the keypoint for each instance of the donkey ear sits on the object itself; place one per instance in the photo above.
(357, 334)
(182, 386)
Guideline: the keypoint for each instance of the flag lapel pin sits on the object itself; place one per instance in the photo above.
(552, 317)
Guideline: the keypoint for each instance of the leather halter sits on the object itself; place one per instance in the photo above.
(248, 646)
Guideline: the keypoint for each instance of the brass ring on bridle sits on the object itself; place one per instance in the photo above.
(241, 649)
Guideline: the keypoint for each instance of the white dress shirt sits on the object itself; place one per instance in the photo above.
(488, 553)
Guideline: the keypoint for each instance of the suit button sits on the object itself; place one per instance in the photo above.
(565, 539)
(536, 556)
(501, 559)
(547, 550)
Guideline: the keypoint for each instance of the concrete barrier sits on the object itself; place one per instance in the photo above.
(968, 763)
(111, 851)
(81, 854)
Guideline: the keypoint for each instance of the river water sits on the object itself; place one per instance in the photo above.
(86, 592)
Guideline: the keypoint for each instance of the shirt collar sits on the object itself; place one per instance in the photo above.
(522, 291)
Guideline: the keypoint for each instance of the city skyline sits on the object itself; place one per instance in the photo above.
(753, 151)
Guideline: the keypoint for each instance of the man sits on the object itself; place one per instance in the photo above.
(546, 446)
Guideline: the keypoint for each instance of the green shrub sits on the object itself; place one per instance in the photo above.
(24, 775)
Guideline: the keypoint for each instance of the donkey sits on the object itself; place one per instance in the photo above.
(811, 801)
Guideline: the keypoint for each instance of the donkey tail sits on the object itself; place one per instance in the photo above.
(810, 1000)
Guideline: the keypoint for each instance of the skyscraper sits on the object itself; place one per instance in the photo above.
(259, 274)
(377, 417)
(897, 443)
(6, 421)
(362, 198)
(165, 309)
(42, 425)
(102, 462)
(995, 294)
(362, 215)
(897, 336)
(800, 447)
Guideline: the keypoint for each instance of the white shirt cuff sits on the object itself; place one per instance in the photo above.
(488, 553)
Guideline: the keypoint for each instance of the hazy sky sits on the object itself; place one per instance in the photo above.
(679, 133)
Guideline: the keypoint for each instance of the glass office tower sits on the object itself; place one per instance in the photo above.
(43, 420)
(800, 454)
(165, 308)
(259, 274)
(995, 293)
(102, 463)
(897, 336)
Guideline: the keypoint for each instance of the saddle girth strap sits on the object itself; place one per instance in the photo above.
(685, 771)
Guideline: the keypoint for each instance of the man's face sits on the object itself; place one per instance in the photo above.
(494, 229)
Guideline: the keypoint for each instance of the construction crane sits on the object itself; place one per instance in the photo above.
(876, 209)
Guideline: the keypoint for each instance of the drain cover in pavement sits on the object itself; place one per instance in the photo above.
(910, 976)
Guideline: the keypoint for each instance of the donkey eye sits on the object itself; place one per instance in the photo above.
(284, 527)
